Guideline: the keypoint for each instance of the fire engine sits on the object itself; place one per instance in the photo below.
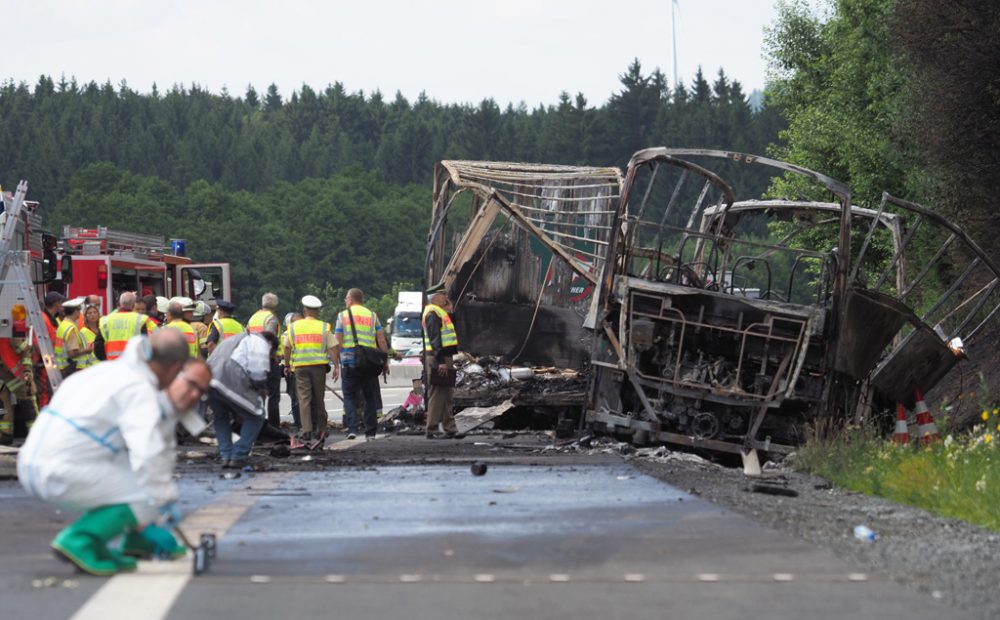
(106, 263)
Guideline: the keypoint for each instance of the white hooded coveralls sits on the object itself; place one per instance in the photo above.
(107, 437)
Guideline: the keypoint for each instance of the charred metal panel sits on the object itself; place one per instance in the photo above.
(922, 359)
(557, 337)
(871, 321)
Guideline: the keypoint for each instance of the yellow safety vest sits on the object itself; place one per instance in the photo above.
(64, 332)
(89, 359)
(117, 328)
(449, 338)
(227, 327)
(256, 325)
(307, 337)
(364, 325)
(189, 334)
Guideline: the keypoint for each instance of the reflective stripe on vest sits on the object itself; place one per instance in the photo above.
(117, 328)
(64, 332)
(227, 327)
(308, 341)
(189, 334)
(449, 338)
(89, 359)
(364, 325)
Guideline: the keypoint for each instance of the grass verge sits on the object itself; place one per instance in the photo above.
(956, 477)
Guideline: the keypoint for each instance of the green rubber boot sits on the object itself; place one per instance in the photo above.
(152, 541)
(85, 541)
(134, 545)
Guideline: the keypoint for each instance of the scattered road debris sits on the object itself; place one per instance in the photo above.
(771, 489)
(479, 468)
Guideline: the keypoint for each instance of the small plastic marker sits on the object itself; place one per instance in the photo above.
(635, 577)
(260, 579)
(857, 577)
(559, 577)
(784, 577)
(335, 579)
(410, 578)
(708, 577)
(484, 578)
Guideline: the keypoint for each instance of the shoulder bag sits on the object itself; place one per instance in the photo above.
(367, 361)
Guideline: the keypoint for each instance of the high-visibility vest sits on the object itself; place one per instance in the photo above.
(202, 330)
(89, 359)
(449, 338)
(189, 334)
(364, 326)
(256, 326)
(117, 328)
(227, 327)
(65, 332)
(307, 337)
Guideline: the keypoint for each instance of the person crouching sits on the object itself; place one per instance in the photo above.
(101, 446)
(240, 366)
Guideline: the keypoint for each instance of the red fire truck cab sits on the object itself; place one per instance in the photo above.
(108, 262)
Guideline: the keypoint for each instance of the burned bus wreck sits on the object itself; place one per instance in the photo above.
(705, 319)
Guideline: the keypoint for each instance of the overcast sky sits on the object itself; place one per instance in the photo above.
(455, 50)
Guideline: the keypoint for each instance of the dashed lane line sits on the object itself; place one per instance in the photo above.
(154, 586)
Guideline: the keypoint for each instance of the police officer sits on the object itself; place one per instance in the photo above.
(358, 327)
(310, 348)
(69, 345)
(223, 325)
(440, 346)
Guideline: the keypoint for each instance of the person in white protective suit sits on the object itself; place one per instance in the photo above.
(102, 446)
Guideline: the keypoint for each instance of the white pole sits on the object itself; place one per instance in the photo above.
(673, 28)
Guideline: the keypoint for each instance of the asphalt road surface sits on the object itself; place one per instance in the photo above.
(552, 537)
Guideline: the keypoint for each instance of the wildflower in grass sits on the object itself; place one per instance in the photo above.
(981, 484)
(996, 411)
(985, 415)
(988, 438)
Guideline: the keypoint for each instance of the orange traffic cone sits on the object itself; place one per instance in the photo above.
(902, 434)
(926, 428)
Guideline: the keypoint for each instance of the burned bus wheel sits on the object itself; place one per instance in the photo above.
(705, 426)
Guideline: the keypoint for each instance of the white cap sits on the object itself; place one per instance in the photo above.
(186, 302)
(73, 304)
(161, 304)
(311, 301)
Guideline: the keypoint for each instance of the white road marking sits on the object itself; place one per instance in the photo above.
(154, 586)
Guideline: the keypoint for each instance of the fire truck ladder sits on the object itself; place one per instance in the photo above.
(16, 274)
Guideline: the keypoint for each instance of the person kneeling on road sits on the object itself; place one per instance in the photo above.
(240, 367)
(177, 405)
(102, 445)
